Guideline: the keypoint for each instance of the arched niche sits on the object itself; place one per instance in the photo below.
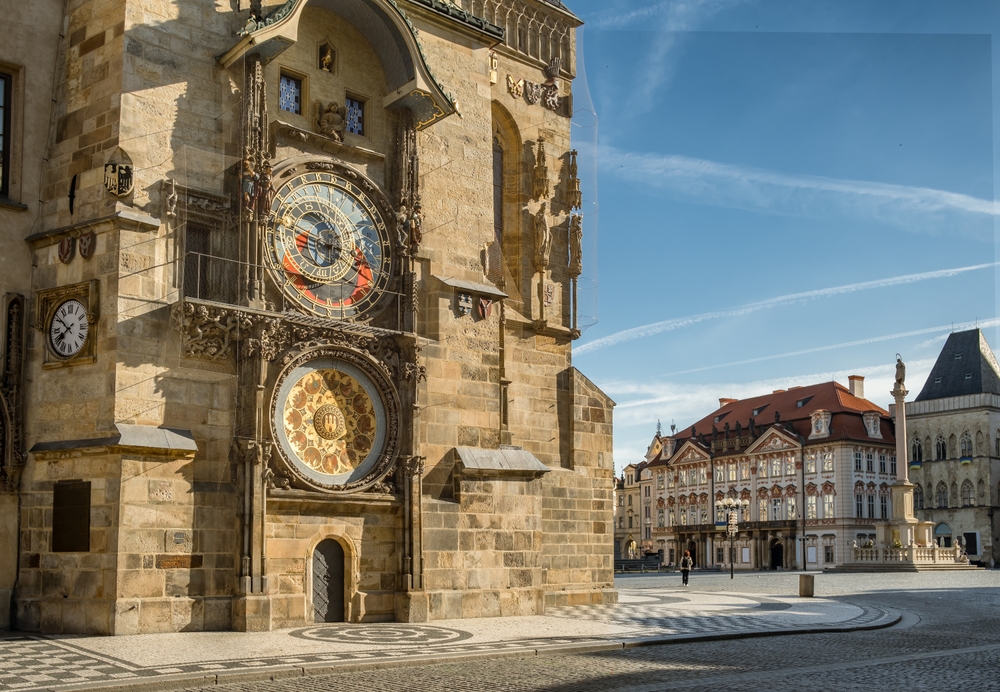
(388, 32)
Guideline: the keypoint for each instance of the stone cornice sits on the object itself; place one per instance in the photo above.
(128, 219)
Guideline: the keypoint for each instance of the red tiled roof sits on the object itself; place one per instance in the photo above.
(846, 410)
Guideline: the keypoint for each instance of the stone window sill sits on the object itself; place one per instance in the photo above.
(11, 204)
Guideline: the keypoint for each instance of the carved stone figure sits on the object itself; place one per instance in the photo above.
(550, 96)
(330, 120)
(574, 195)
(543, 239)
(264, 191)
(575, 245)
(900, 371)
(551, 71)
(249, 184)
(540, 179)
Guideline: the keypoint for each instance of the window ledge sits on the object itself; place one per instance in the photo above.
(11, 204)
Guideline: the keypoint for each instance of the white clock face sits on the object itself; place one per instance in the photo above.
(69, 328)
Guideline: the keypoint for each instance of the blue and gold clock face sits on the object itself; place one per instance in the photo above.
(328, 246)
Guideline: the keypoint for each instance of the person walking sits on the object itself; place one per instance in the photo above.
(686, 564)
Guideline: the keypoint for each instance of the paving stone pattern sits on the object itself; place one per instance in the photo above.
(950, 638)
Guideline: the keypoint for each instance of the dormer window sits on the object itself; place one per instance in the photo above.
(937, 380)
(958, 356)
(873, 424)
(757, 411)
(820, 424)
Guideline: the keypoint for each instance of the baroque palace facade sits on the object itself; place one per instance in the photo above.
(289, 293)
(811, 466)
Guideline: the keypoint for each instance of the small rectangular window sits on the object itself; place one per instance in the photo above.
(828, 553)
(892, 465)
(810, 463)
(355, 115)
(828, 507)
(881, 463)
(5, 109)
(871, 506)
(870, 463)
(290, 94)
(859, 506)
(884, 506)
(811, 507)
(71, 517)
(857, 461)
(720, 555)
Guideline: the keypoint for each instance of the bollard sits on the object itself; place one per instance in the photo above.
(806, 585)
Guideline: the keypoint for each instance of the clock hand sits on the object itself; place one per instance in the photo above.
(57, 319)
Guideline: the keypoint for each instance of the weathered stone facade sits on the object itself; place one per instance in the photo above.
(954, 447)
(172, 422)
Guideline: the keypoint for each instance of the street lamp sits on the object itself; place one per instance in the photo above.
(732, 508)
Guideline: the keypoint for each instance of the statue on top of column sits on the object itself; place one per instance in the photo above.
(900, 371)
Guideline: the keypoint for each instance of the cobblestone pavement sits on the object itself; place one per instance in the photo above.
(949, 637)
(950, 634)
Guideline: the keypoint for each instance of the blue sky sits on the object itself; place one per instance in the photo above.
(788, 192)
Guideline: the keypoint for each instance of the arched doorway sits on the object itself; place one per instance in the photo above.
(777, 554)
(328, 582)
(693, 547)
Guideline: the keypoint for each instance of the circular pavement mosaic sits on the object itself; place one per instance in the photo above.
(390, 634)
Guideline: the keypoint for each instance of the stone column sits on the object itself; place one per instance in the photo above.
(903, 520)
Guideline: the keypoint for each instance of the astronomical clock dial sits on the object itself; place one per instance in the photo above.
(330, 421)
(328, 246)
(68, 329)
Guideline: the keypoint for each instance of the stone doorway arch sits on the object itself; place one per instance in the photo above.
(328, 582)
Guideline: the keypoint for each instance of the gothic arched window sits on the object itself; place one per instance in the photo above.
(918, 497)
(940, 448)
(967, 494)
(966, 445)
(942, 495)
(917, 451)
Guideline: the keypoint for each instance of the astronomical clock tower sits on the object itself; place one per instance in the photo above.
(305, 296)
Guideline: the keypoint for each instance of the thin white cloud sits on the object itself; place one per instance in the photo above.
(745, 187)
(680, 322)
(687, 403)
(982, 324)
(671, 19)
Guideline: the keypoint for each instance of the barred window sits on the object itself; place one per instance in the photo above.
(355, 115)
(290, 94)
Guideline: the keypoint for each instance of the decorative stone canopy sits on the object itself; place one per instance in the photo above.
(387, 31)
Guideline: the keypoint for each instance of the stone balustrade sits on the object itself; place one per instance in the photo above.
(913, 554)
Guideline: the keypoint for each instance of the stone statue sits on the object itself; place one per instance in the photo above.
(264, 191)
(575, 245)
(249, 184)
(900, 371)
(330, 120)
(543, 239)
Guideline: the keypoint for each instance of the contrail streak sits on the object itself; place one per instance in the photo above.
(861, 342)
(679, 322)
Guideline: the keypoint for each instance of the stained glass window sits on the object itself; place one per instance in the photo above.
(355, 116)
(290, 94)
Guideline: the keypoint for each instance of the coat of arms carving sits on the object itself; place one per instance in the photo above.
(118, 178)
(515, 86)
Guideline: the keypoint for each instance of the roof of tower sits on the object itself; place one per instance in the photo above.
(966, 365)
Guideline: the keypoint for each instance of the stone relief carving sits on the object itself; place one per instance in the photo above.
(330, 120)
(207, 333)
